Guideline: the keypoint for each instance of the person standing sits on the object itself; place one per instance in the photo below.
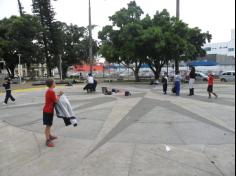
(7, 86)
(165, 83)
(48, 111)
(210, 85)
(177, 83)
(192, 78)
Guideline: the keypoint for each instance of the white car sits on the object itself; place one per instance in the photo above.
(227, 76)
(201, 76)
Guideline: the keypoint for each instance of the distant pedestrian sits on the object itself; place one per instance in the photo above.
(177, 83)
(48, 111)
(7, 86)
(192, 78)
(165, 83)
(210, 85)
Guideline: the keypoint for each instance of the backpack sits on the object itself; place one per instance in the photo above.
(127, 93)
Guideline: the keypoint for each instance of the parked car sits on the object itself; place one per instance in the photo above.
(227, 76)
(201, 76)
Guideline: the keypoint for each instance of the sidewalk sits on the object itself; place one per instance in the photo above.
(147, 134)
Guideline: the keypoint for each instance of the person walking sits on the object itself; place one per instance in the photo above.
(210, 85)
(177, 83)
(192, 78)
(165, 83)
(7, 86)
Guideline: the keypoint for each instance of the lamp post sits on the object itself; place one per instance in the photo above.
(177, 16)
(60, 63)
(90, 40)
(19, 67)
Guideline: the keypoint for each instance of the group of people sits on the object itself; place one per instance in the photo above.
(52, 98)
(192, 78)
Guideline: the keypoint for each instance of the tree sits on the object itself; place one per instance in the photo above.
(123, 43)
(17, 35)
(43, 9)
(168, 38)
(74, 45)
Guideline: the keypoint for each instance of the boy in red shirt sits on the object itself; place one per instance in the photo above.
(210, 85)
(48, 111)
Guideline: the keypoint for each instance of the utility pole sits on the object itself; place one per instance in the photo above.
(178, 8)
(90, 40)
(177, 16)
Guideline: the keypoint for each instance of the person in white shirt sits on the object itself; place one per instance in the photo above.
(90, 79)
(92, 84)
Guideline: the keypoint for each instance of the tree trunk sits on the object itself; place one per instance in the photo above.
(64, 72)
(156, 69)
(136, 75)
(12, 69)
(9, 72)
(136, 71)
(176, 66)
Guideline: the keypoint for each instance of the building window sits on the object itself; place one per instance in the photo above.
(207, 49)
(231, 49)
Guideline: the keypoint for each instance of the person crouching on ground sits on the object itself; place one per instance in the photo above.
(210, 85)
(165, 83)
(48, 111)
(192, 78)
(177, 83)
(7, 86)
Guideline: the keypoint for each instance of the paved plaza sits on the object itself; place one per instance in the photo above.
(147, 134)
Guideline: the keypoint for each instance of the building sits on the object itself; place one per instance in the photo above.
(223, 60)
(223, 48)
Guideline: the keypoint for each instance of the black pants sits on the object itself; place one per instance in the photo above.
(9, 95)
(165, 88)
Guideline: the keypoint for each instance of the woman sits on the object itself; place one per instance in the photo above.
(177, 83)
(192, 78)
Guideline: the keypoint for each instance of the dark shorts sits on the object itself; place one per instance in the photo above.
(210, 89)
(47, 119)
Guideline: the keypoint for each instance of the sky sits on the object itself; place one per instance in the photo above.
(215, 16)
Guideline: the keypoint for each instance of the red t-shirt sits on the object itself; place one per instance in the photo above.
(210, 80)
(50, 100)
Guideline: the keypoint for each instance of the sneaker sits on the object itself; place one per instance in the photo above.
(53, 138)
(49, 143)
(216, 97)
(4, 104)
(14, 101)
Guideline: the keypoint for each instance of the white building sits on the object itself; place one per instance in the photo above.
(224, 48)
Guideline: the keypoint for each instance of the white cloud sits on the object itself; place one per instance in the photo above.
(216, 16)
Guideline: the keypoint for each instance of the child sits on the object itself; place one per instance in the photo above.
(165, 83)
(210, 85)
(48, 111)
(7, 86)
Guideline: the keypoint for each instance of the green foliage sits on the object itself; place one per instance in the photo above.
(45, 12)
(133, 41)
(17, 35)
(123, 45)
